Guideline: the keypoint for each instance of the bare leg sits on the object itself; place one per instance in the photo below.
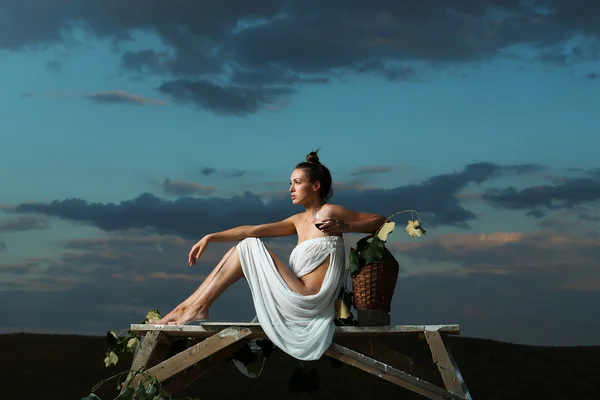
(177, 311)
(224, 275)
(197, 308)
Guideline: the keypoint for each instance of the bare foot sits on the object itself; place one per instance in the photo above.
(190, 315)
(174, 314)
(181, 316)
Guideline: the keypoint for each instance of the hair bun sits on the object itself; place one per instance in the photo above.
(312, 157)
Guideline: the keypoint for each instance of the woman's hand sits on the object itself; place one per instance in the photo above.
(333, 226)
(197, 251)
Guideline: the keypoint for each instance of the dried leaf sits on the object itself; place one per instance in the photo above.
(152, 314)
(385, 230)
(132, 344)
(111, 359)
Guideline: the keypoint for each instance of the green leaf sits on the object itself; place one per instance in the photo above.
(127, 394)
(354, 267)
(374, 252)
(132, 344)
(140, 391)
(111, 359)
(92, 396)
(362, 243)
(151, 389)
(152, 314)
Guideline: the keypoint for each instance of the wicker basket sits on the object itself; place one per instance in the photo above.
(374, 285)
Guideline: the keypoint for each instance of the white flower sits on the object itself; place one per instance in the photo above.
(413, 228)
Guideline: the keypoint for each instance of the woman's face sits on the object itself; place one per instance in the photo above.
(301, 189)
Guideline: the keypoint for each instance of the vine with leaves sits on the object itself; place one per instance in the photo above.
(147, 388)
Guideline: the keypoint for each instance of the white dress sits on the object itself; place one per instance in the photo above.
(302, 326)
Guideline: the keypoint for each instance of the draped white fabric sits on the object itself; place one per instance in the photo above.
(302, 326)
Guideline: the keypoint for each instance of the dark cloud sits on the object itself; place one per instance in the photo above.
(2, 246)
(121, 97)
(593, 76)
(274, 75)
(436, 198)
(236, 100)
(143, 60)
(263, 49)
(566, 194)
(20, 268)
(371, 171)
(183, 188)
(392, 73)
(208, 171)
(234, 174)
(21, 224)
(237, 173)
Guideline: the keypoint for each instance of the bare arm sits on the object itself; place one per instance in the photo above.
(281, 228)
(285, 227)
(354, 221)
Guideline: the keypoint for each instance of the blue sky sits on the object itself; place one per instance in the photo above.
(127, 134)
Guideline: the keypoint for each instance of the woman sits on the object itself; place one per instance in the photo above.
(294, 305)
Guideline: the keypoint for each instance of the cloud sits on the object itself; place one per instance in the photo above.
(435, 198)
(371, 170)
(565, 194)
(20, 268)
(208, 171)
(107, 283)
(143, 60)
(121, 97)
(234, 174)
(560, 254)
(264, 50)
(26, 223)
(183, 188)
(593, 75)
(583, 284)
(575, 221)
(234, 100)
(130, 260)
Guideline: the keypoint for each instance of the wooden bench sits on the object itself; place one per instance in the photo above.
(219, 340)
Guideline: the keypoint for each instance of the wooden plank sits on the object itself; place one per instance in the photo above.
(143, 355)
(463, 384)
(208, 329)
(443, 362)
(180, 381)
(379, 351)
(195, 354)
(389, 373)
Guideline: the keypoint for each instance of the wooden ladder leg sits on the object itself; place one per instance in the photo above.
(442, 357)
(195, 354)
(149, 344)
(389, 373)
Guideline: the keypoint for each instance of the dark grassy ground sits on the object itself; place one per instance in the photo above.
(64, 367)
